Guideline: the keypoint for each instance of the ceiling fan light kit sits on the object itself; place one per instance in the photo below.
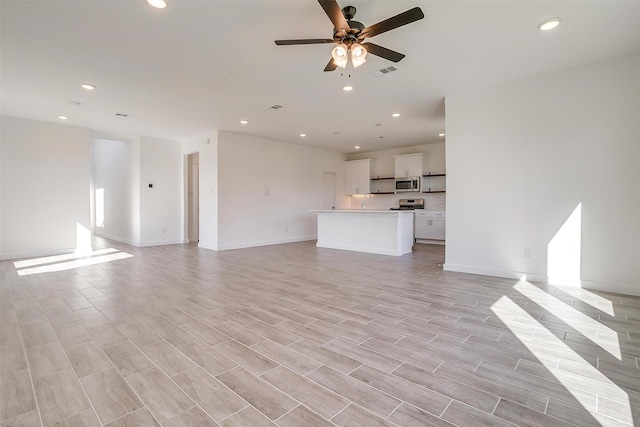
(350, 35)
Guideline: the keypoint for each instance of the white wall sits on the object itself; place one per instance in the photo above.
(266, 189)
(160, 206)
(385, 167)
(44, 187)
(522, 156)
(112, 172)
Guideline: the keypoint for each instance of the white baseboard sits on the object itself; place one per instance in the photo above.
(265, 243)
(207, 246)
(118, 239)
(492, 272)
(161, 243)
(361, 249)
(618, 288)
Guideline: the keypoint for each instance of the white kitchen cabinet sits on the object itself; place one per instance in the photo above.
(357, 176)
(429, 225)
(409, 165)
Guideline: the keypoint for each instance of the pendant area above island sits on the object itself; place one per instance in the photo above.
(384, 232)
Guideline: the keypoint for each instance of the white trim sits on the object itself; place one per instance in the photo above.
(207, 246)
(265, 243)
(491, 272)
(618, 288)
(117, 239)
(362, 249)
(161, 243)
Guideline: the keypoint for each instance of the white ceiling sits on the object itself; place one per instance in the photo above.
(202, 65)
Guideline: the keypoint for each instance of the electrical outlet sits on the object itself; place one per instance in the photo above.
(527, 253)
(286, 229)
(267, 192)
(164, 230)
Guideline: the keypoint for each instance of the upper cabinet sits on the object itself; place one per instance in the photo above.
(409, 165)
(357, 176)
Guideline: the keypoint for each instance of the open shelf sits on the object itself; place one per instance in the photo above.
(435, 174)
(381, 179)
(435, 191)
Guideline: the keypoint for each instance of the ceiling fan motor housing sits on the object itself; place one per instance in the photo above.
(349, 12)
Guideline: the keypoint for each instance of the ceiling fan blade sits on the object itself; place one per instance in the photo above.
(303, 41)
(383, 52)
(331, 66)
(334, 12)
(404, 18)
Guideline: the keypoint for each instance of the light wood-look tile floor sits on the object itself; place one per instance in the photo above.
(292, 335)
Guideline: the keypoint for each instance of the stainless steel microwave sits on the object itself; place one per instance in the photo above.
(408, 184)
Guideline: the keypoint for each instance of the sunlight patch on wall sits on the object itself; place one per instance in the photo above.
(591, 382)
(591, 329)
(564, 252)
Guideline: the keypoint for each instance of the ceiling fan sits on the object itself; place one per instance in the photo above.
(349, 35)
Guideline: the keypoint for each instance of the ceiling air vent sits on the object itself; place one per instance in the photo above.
(276, 107)
(384, 71)
(123, 115)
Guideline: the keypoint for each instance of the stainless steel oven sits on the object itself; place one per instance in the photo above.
(408, 184)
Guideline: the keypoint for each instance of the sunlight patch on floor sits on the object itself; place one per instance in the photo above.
(592, 382)
(58, 258)
(588, 297)
(75, 263)
(591, 329)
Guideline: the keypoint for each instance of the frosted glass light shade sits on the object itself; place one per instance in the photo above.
(358, 54)
(339, 55)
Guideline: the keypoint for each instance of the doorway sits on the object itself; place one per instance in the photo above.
(193, 192)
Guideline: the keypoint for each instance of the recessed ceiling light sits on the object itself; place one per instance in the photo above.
(75, 103)
(303, 135)
(87, 86)
(441, 134)
(347, 88)
(395, 115)
(336, 133)
(378, 124)
(158, 4)
(63, 117)
(549, 24)
(244, 122)
(357, 147)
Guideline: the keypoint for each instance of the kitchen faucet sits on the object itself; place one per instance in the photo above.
(364, 206)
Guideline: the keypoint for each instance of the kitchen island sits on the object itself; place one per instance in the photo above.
(387, 232)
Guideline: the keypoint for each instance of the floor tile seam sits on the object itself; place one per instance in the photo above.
(587, 389)
(458, 382)
(252, 349)
(529, 388)
(185, 411)
(398, 397)
(31, 381)
(364, 349)
(364, 409)
(236, 412)
(115, 368)
(144, 407)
